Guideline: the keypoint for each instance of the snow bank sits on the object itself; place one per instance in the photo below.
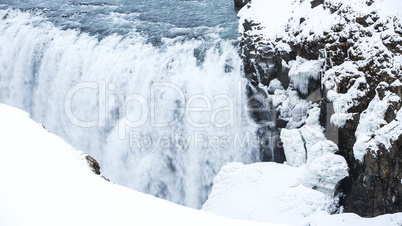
(271, 192)
(274, 20)
(44, 181)
(267, 192)
(351, 219)
(325, 172)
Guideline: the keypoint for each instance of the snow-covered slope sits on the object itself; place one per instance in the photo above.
(272, 192)
(263, 192)
(44, 181)
(279, 19)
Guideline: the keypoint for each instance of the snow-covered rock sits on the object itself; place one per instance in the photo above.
(354, 47)
(302, 71)
(324, 173)
(294, 148)
(372, 124)
(309, 146)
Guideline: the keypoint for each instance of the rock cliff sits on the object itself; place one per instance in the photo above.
(344, 57)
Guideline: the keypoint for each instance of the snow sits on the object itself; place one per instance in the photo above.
(275, 84)
(339, 119)
(320, 148)
(299, 192)
(302, 71)
(44, 181)
(373, 129)
(276, 23)
(290, 106)
(325, 172)
(297, 23)
(390, 8)
(350, 219)
(343, 101)
(396, 83)
(261, 12)
(307, 143)
(271, 192)
(262, 192)
(309, 146)
(267, 11)
(294, 147)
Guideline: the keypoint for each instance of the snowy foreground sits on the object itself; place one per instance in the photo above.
(44, 181)
(271, 192)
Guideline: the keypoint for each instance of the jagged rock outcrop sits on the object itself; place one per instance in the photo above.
(241, 3)
(375, 188)
(357, 85)
(94, 166)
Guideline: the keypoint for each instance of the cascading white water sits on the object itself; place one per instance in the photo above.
(159, 119)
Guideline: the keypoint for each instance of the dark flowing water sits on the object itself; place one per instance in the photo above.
(153, 19)
(116, 79)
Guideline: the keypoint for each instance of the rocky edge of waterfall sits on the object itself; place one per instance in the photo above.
(342, 62)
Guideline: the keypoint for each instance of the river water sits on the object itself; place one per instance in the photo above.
(153, 89)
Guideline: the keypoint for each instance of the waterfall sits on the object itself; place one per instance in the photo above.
(161, 119)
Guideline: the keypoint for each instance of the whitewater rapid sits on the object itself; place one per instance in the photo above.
(161, 119)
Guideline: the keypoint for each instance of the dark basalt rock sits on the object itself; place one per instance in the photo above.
(346, 140)
(316, 3)
(240, 3)
(377, 187)
(363, 20)
(390, 114)
(247, 25)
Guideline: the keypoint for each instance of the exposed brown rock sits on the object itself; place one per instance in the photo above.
(240, 3)
(93, 164)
